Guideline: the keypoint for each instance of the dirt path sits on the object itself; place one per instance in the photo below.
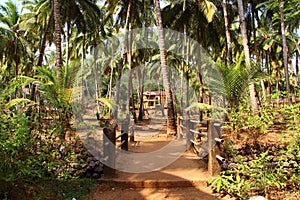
(184, 179)
(126, 193)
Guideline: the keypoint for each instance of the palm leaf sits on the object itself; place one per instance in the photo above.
(18, 101)
(110, 103)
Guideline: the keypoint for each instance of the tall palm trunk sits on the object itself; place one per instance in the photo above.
(253, 101)
(58, 54)
(141, 72)
(82, 67)
(121, 62)
(182, 63)
(297, 63)
(257, 53)
(227, 32)
(41, 57)
(96, 77)
(171, 122)
(285, 51)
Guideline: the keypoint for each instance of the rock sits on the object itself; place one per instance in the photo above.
(89, 159)
(97, 162)
(92, 164)
(98, 169)
(96, 175)
(88, 175)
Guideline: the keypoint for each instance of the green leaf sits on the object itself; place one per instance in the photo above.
(18, 101)
(219, 185)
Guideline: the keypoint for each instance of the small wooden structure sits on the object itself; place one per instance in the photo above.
(110, 146)
(204, 138)
(154, 99)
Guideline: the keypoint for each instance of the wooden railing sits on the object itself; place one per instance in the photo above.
(204, 138)
(110, 144)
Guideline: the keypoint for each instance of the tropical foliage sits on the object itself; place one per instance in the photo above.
(63, 60)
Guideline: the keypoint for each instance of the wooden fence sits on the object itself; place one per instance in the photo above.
(110, 145)
(201, 136)
(204, 138)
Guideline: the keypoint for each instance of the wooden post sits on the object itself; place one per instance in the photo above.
(179, 130)
(109, 150)
(188, 134)
(131, 127)
(213, 165)
(124, 132)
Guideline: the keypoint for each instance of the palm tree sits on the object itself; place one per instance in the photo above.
(171, 122)
(285, 50)
(11, 36)
(227, 31)
(253, 101)
(285, 21)
(57, 22)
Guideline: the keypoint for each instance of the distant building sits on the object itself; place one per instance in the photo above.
(154, 99)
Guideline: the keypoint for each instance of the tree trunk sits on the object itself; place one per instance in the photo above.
(285, 52)
(253, 101)
(82, 67)
(257, 53)
(187, 76)
(129, 59)
(297, 63)
(141, 76)
(171, 122)
(40, 59)
(58, 54)
(141, 96)
(96, 77)
(122, 61)
(228, 36)
(199, 76)
(182, 64)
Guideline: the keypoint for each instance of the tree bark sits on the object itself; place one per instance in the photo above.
(122, 61)
(227, 32)
(297, 63)
(171, 122)
(96, 77)
(41, 58)
(253, 101)
(285, 52)
(58, 53)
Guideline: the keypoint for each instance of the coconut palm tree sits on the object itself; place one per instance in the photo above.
(11, 38)
(253, 100)
(171, 122)
(57, 25)
(227, 31)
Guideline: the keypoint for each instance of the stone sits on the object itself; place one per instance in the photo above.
(92, 164)
(96, 175)
(98, 169)
(89, 159)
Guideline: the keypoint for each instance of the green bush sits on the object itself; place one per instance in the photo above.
(263, 175)
(254, 123)
(31, 150)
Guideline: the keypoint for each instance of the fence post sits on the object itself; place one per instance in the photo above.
(131, 127)
(188, 134)
(213, 165)
(179, 130)
(124, 132)
(109, 150)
